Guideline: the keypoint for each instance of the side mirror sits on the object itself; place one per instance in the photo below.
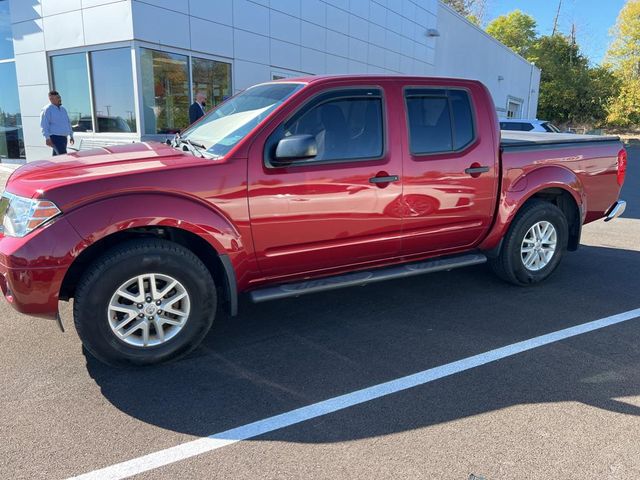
(296, 147)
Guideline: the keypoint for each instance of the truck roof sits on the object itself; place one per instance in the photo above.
(370, 77)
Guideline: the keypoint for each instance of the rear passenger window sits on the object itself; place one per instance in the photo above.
(344, 128)
(439, 121)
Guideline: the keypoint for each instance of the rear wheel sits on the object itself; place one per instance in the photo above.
(534, 244)
(146, 301)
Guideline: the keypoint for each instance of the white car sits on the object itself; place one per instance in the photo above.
(524, 125)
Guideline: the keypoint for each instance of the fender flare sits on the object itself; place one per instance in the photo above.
(523, 189)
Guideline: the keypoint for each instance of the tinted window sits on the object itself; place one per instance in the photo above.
(462, 119)
(429, 124)
(71, 80)
(345, 128)
(11, 138)
(165, 91)
(113, 90)
(212, 78)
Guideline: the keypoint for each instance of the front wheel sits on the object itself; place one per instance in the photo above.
(146, 301)
(533, 245)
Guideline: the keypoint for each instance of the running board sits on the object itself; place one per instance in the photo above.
(365, 277)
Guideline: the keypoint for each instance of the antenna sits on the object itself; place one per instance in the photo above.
(555, 21)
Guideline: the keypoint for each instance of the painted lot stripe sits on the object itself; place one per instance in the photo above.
(260, 427)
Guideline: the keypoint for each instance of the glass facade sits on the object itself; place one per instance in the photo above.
(165, 91)
(113, 98)
(71, 80)
(112, 81)
(166, 94)
(11, 137)
(6, 36)
(211, 77)
(11, 134)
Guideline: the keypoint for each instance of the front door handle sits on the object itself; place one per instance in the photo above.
(471, 170)
(387, 179)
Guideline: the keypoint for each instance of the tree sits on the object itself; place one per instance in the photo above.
(624, 58)
(473, 10)
(516, 30)
(564, 82)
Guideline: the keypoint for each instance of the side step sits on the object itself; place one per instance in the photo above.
(365, 277)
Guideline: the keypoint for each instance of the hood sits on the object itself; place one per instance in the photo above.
(38, 177)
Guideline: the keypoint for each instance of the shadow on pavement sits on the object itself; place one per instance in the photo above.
(283, 355)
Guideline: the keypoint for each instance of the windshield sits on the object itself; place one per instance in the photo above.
(221, 129)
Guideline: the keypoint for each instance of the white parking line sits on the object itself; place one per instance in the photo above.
(260, 427)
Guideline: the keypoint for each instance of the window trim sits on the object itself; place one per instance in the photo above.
(474, 139)
(340, 92)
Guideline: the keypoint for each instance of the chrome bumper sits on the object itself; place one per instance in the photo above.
(615, 210)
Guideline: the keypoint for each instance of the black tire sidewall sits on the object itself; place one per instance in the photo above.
(92, 309)
(540, 211)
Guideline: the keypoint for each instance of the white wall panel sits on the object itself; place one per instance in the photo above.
(161, 26)
(251, 17)
(313, 36)
(31, 69)
(63, 30)
(313, 61)
(249, 46)
(249, 73)
(211, 37)
(291, 7)
(314, 11)
(222, 13)
(53, 7)
(32, 99)
(108, 23)
(285, 55)
(284, 27)
(28, 36)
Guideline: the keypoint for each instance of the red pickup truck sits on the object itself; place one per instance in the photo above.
(292, 187)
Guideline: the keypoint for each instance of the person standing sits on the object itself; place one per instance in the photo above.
(196, 110)
(55, 124)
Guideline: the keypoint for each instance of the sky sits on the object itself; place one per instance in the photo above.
(593, 19)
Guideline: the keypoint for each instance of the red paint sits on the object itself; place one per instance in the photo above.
(277, 224)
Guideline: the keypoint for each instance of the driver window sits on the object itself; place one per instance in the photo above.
(344, 128)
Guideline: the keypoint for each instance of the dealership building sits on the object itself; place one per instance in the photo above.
(128, 70)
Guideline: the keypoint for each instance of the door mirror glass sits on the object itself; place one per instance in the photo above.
(296, 147)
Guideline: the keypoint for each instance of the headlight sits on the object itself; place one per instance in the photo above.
(21, 216)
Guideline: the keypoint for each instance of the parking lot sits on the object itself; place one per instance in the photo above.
(568, 409)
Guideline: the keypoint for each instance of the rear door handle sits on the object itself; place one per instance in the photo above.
(387, 179)
(476, 170)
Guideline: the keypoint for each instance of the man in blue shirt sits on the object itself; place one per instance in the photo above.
(55, 124)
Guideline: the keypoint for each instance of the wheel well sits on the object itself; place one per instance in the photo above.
(205, 252)
(565, 202)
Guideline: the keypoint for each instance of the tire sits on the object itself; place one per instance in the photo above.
(110, 285)
(510, 263)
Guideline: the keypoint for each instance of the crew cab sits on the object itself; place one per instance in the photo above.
(293, 187)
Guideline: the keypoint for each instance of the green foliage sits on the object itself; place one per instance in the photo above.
(516, 30)
(624, 57)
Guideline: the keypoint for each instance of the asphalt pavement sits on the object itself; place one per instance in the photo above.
(569, 409)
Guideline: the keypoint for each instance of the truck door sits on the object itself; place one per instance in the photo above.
(451, 169)
(340, 207)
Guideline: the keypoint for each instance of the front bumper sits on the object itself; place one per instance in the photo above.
(615, 210)
(33, 268)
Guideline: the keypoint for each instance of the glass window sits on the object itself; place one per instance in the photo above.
(70, 79)
(165, 91)
(211, 77)
(345, 128)
(112, 80)
(11, 139)
(462, 118)
(221, 129)
(6, 35)
(429, 124)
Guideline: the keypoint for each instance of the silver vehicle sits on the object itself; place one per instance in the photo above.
(524, 125)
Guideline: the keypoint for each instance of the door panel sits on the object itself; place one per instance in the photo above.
(451, 171)
(327, 212)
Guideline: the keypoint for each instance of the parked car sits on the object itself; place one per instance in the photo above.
(293, 187)
(105, 124)
(522, 125)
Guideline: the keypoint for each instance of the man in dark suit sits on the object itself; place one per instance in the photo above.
(197, 109)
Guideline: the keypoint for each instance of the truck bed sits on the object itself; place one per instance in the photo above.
(519, 140)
